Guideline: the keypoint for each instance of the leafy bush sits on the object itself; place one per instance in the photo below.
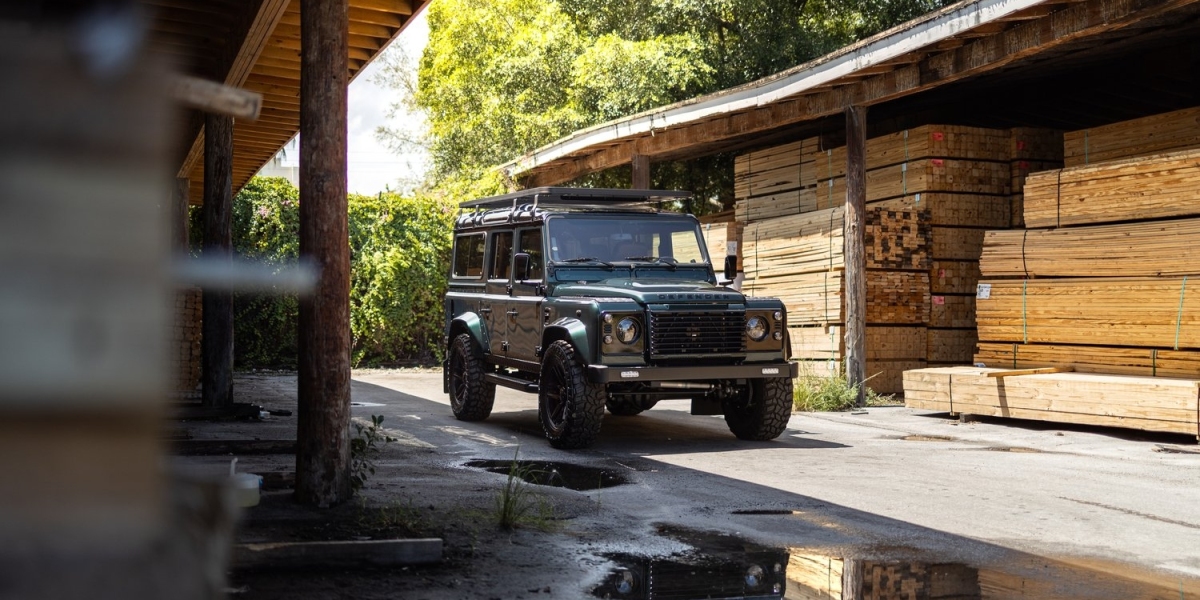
(817, 390)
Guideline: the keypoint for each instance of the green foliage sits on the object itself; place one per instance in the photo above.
(364, 448)
(517, 504)
(822, 392)
(399, 257)
(501, 78)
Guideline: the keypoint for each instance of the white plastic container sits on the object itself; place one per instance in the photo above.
(246, 486)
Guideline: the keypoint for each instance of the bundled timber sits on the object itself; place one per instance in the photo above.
(717, 238)
(927, 141)
(954, 277)
(1128, 190)
(882, 376)
(1155, 134)
(955, 210)
(893, 297)
(946, 311)
(812, 242)
(1148, 403)
(923, 176)
(1153, 248)
(950, 345)
(1147, 312)
(1021, 170)
(1145, 362)
(884, 342)
(774, 169)
(957, 243)
(778, 205)
(1035, 144)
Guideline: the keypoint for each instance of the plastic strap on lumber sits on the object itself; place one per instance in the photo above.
(1016, 347)
(1154, 362)
(1179, 313)
(1024, 313)
(1058, 199)
(1024, 265)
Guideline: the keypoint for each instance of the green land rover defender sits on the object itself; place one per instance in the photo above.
(594, 299)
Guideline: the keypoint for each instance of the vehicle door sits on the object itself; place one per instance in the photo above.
(525, 305)
(495, 299)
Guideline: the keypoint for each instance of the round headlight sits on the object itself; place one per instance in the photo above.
(754, 576)
(756, 328)
(627, 330)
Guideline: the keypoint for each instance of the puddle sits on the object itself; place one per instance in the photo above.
(726, 566)
(1018, 449)
(556, 474)
(928, 438)
(363, 404)
(766, 511)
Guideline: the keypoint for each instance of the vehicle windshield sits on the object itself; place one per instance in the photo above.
(672, 240)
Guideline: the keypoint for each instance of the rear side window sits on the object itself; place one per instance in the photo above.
(468, 256)
(531, 244)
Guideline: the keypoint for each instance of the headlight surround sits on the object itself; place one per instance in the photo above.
(757, 328)
(628, 330)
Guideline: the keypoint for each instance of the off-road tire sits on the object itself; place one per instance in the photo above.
(570, 408)
(763, 414)
(628, 406)
(471, 398)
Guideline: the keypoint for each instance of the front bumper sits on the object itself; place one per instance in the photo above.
(614, 374)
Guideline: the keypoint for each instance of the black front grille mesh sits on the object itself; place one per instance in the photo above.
(697, 332)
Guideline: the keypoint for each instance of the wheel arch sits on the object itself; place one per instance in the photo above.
(571, 331)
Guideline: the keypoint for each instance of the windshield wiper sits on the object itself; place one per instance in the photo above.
(666, 260)
(587, 259)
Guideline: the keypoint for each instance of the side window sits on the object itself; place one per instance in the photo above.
(468, 256)
(502, 251)
(531, 244)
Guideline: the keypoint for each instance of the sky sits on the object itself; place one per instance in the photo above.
(374, 167)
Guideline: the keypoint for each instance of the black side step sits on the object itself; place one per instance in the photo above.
(508, 381)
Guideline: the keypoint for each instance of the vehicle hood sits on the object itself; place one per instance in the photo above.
(649, 291)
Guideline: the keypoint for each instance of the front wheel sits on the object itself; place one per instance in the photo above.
(570, 407)
(761, 412)
(471, 398)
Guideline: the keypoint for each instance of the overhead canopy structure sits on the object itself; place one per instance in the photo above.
(1064, 64)
(255, 45)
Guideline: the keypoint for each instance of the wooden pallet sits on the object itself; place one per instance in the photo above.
(1146, 312)
(1128, 190)
(1150, 248)
(1147, 403)
(883, 342)
(1155, 134)
(1145, 362)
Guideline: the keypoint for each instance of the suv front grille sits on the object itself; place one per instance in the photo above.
(697, 333)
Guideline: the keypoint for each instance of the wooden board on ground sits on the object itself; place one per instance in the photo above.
(1149, 248)
(1155, 134)
(1148, 403)
(1153, 187)
(1115, 311)
(1145, 362)
(883, 342)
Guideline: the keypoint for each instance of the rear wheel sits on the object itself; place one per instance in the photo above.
(471, 398)
(627, 405)
(762, 410)
(570, 407)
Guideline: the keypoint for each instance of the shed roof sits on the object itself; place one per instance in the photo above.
(961, 42)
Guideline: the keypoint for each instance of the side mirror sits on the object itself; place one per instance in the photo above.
(730, 267)
(521, 267)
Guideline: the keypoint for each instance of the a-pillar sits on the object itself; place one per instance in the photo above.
(641, 172)
(855, 251)
(216, 362)
(323, 420)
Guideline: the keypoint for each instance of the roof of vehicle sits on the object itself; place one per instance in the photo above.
(536, 204)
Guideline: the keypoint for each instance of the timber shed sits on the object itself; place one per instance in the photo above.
(987, 209)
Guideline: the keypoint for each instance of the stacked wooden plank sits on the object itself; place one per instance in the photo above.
(721, 236)
(1105, 293)
(1149, 403)
(774, 182)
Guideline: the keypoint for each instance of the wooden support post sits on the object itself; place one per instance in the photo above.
(855, 251)
(323, 428)
(216, 362)
(641, 172)
(179, 216)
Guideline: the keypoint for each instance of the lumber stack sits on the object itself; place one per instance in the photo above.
(1032, 151)
(774, 182)
(1148, 403)
(1102, 283)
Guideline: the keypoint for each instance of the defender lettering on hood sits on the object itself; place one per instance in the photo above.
(598, 299)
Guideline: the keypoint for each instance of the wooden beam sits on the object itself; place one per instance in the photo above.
(212, 97)
(1020, 40)
(1038, 371)
(216, 368)
(641, 172)
(855, 253)
(323, 428)
(399, 7)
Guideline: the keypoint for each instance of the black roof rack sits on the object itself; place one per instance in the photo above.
(578, 198)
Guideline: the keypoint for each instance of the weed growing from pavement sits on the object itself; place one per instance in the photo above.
(364, 447)
(822, 392)
(517, 504)
(397, 516)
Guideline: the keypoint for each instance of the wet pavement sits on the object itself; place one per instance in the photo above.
(891, 504)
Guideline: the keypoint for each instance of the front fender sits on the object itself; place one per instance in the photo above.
(470, 324)
(572, 330)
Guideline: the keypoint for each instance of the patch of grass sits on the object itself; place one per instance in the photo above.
(819, 391)
(364, 447)
(395, 518)
(517, 504)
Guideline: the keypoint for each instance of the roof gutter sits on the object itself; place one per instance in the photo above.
(911, 36)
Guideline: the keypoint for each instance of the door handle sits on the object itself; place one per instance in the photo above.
(486, 311)
(512, 312)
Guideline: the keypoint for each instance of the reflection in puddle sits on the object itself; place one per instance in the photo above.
(556, 474)
(723, 566)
